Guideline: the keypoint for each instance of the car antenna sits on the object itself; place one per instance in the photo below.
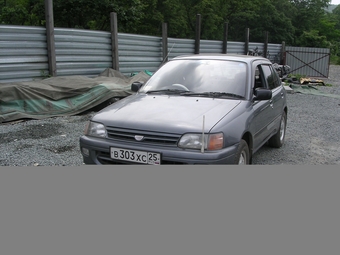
(168, 54)
(202, 148)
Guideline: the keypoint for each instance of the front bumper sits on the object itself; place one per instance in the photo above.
(99, 153)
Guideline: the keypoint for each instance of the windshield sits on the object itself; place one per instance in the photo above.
(199, 76)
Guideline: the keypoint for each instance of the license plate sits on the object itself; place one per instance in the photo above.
(142, 157)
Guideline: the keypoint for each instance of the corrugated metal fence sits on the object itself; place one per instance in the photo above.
(137, 53)
(23, 52)
(82, 52)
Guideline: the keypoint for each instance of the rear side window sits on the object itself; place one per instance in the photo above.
(277, 79)
(271, 76)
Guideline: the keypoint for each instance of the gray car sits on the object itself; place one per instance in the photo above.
(196, 109)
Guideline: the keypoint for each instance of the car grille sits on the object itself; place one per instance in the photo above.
(158, 138)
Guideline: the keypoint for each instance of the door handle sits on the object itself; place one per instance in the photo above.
(271, 104)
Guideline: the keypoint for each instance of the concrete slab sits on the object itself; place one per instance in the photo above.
(289, 89)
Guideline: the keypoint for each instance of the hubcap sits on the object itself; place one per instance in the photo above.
(243, 158)
(282, 129)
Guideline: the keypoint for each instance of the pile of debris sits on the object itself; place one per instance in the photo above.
(295, 83)
(282, 70)
(303, 81)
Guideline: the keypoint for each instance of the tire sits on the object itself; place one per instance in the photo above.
(242, 154)
(278, 139)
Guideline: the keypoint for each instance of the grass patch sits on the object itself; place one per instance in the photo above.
(334, 60)
(296, 76)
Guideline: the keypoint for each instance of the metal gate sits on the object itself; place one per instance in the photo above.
(312, 62)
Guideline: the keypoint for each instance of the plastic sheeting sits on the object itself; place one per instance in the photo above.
(64, 95)
(311, 90)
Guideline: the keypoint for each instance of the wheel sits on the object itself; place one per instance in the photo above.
(242, 154)
(180, 86)
(278, 139)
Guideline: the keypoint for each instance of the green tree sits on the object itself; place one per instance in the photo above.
(335, 42)
(95, 14)
(313, 38)
(264, 16)
(175, 15)
(152, 18)
(13, 12)
(298, 22)
(306, 16)
(336, 17)
(239, 15)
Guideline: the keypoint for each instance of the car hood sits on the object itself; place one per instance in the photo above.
(163, 113)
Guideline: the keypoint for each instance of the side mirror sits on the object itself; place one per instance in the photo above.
(135, 86)
(262, 94)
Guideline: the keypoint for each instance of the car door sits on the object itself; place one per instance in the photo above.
(261, 111)
(277, 103)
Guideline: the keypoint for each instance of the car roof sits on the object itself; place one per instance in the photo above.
(233, 57)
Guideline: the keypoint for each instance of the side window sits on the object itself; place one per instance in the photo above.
(277, 79)
(259, 79)
(269, 76)
(258, 83)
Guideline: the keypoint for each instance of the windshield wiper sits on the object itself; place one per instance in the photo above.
(225, 94)
(172, 91)
(213, 94)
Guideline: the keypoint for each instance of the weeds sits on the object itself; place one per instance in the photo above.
(45, 74)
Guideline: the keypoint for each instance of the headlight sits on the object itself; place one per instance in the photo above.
(194, 141)
(95, 129)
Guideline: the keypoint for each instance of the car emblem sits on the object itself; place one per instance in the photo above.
(139, 137)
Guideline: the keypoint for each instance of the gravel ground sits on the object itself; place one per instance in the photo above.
(313, 135)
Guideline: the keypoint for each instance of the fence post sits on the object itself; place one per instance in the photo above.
(52, 65)
(283, 54)
(165, 42)
(225, 38)
(198, 34)
(246, 45)
(114, 41)
(265, 44)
